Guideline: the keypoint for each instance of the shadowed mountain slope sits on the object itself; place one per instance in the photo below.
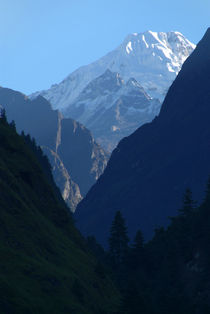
(76, 159)
(45, 266)
(149, 170)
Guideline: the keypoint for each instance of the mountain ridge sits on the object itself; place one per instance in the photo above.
(112, 108)
(159, 160)
(166, 56)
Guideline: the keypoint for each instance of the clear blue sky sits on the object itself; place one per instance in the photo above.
(42, 41)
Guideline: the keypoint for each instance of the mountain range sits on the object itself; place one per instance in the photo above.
(155, 164)
(46, 265)
(153, 59)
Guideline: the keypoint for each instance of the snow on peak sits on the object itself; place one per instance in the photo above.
(108, 104)
(152, 58)
(129, 47)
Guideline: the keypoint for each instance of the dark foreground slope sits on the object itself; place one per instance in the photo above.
(44, 264)
(149, 170)
(77, 160)
(169, 274)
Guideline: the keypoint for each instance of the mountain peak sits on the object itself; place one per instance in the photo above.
(157, 40)
(107, 82)
(132, 81)
(110, 75)
(108, 72)
(152, 58)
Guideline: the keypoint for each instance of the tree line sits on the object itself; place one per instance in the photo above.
(168, 274)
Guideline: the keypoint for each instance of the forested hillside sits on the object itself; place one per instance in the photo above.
(45, 266)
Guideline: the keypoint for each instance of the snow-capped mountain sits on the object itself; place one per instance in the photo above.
(156, 164)
(112, 108)
(152, 58)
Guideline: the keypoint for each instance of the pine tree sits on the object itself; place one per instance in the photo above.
(3, 115)
(136, 255)
(13, 125)
(138, 248)
(118, 241)
(138, 241)
(188, 203)
(23, 134)
(184, 226)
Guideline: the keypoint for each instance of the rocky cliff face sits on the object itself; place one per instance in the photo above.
(77, 161)
(45, 265)
(149, 171)
(113, 109)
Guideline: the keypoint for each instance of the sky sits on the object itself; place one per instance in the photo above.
(43, 41)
